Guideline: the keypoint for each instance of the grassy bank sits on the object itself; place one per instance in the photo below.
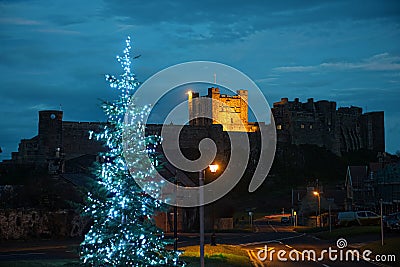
(218, 256)
(390, 246)
(336, 233)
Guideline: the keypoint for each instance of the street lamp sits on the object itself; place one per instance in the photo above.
(319, 206)
(213, 168)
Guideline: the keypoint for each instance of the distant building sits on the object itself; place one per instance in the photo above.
(229, 111)
(360, 193)
(367, 185)
(387, 184)
(320, 123)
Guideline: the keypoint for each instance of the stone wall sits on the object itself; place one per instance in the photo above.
(32, 223)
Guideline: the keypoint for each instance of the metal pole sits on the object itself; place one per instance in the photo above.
(292, 198)
(319, 209)
(381, 221)
(175, 228)
(201, 209)
(176, 215)
(330, 219)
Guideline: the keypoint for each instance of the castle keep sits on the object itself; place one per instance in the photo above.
(229, 111)
(320, 123)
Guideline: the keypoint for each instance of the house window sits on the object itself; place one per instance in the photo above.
(279, 127)
(302, 126)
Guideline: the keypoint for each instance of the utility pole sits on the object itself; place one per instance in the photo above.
(330, 219)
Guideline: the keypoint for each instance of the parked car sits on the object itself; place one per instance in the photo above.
(349, 218)
(285, 220)
(391, 222)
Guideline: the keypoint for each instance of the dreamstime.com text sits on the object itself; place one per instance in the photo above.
(331, 254)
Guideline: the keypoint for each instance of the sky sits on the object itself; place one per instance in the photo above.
(55, 53)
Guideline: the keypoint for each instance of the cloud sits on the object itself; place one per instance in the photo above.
(19, 21)
(379, 62)
(58, 31)
(231, 19)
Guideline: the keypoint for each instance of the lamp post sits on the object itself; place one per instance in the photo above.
(213, 168)
(176, 216)
(319, 206)
(201, 211)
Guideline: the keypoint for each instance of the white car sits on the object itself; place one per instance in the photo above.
(349, 218)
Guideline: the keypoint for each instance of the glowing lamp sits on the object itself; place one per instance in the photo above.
(213, 168)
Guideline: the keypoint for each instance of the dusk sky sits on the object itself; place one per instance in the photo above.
(56, 53)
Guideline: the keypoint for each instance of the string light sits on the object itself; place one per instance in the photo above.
(123, 231)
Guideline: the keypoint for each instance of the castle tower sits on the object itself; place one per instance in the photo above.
(230, 111)
(373, 128)
(49, 133)
(244, 110)
(214, 94)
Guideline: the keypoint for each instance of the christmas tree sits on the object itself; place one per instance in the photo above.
(123, 231)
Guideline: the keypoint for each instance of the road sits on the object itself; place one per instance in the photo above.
(274, 237)
(268, 236)
(38, 250)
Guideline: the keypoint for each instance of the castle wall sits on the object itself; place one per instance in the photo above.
(57, 138)
(76, 141)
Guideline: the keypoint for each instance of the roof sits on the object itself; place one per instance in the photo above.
(356, 175)
(78, 179)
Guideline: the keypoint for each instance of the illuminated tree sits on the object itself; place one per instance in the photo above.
(123, 231)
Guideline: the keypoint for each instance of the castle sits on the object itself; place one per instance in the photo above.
(317, 123)
(320, 123)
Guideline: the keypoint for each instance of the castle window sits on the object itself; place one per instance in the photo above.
(279, 127)
(310, 126)
(231, 120)
(302, 126)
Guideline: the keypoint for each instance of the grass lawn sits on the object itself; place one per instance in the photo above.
(216, 256)
(390, 246)
(336, 233)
